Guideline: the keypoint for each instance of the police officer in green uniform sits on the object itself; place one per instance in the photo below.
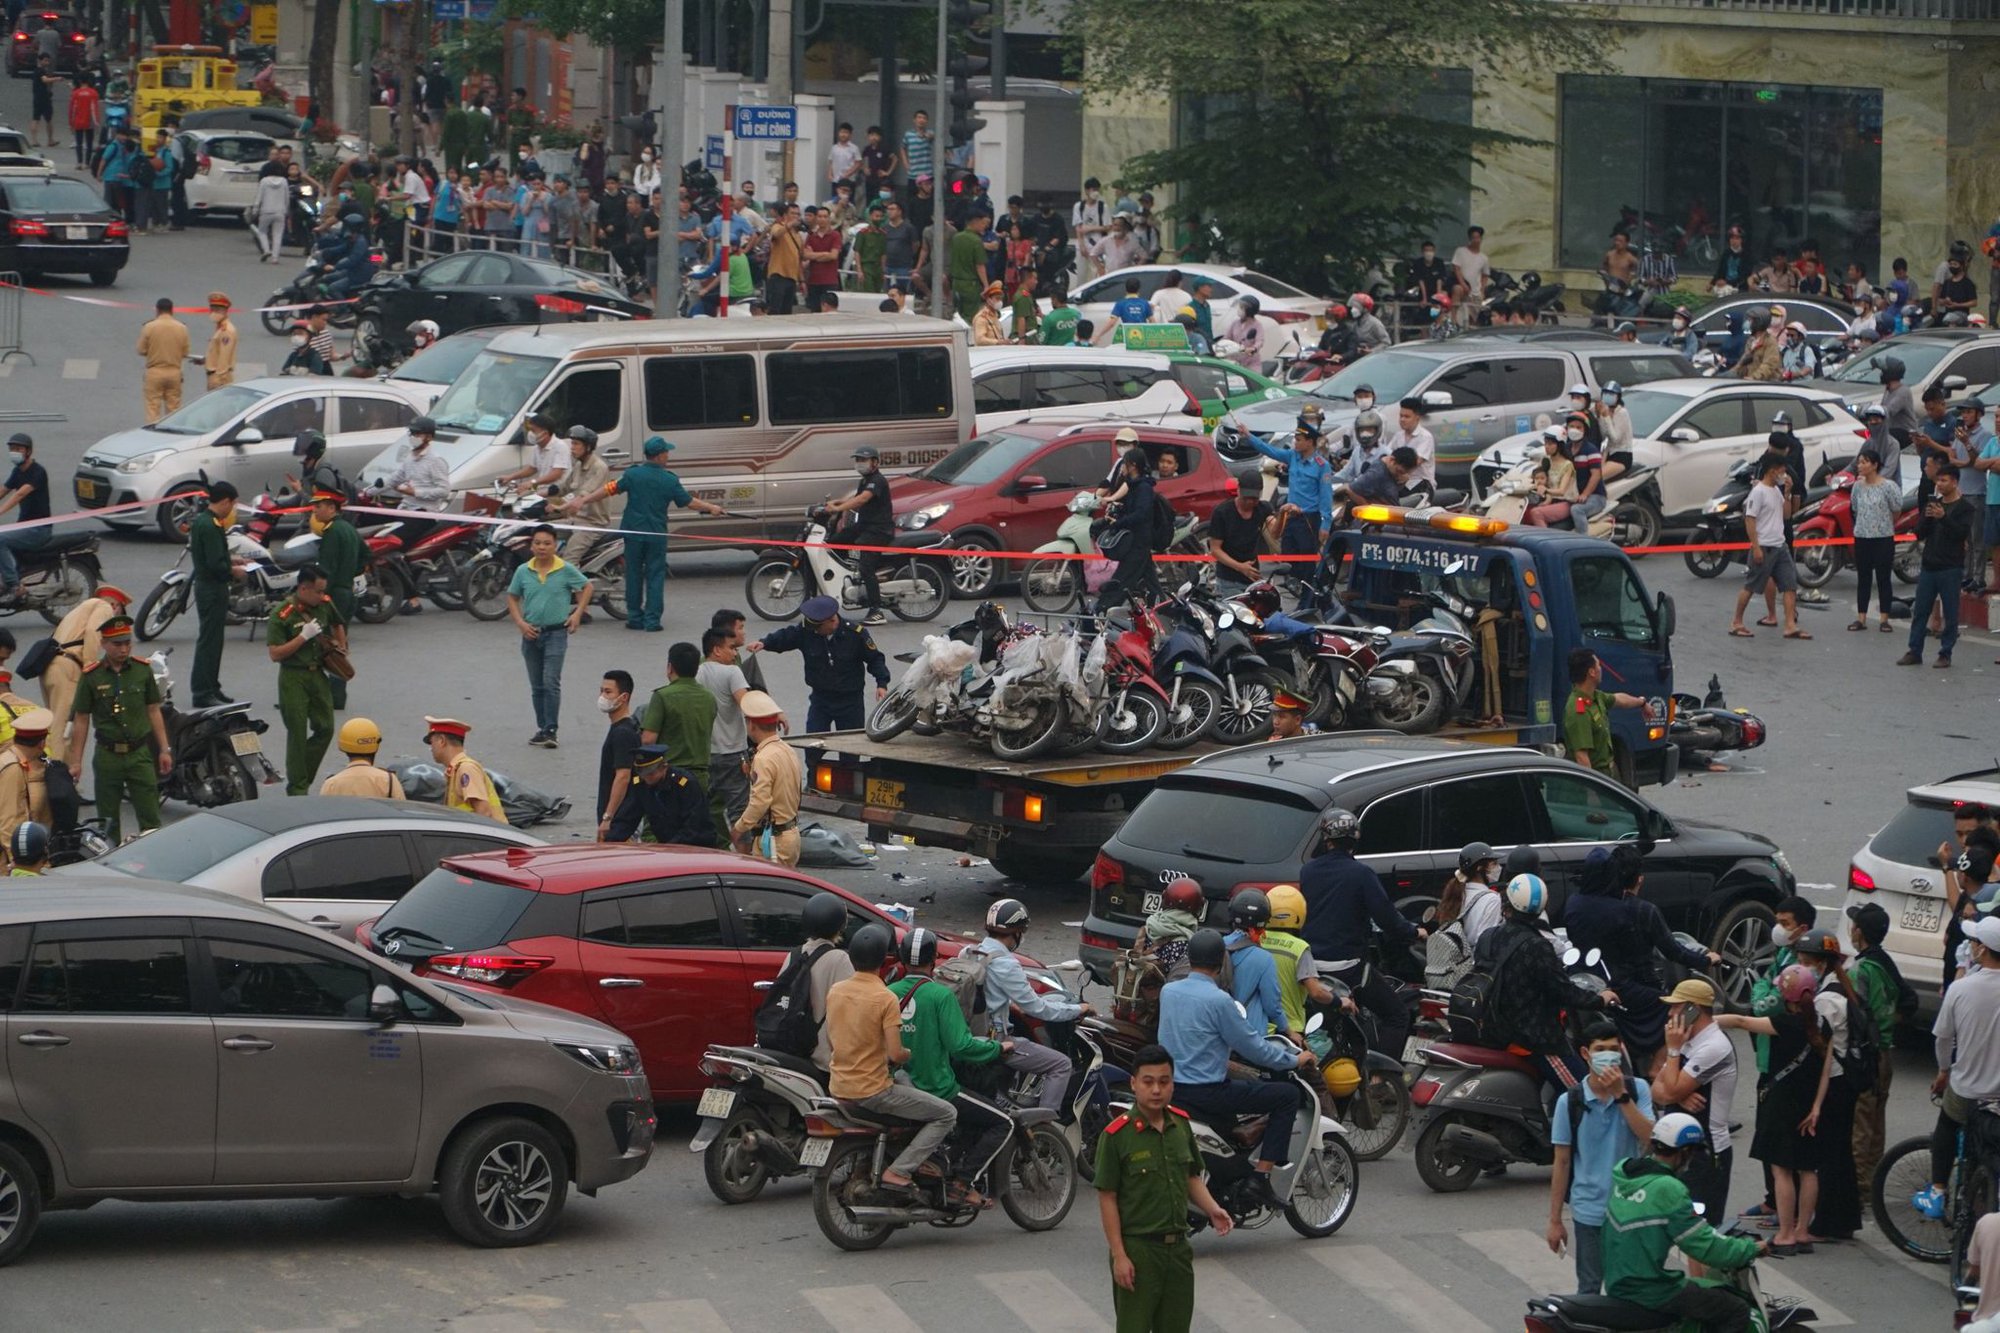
(1586, 715)
(340, 556)
(119, 695)
(1148, 1171)
(208, 546)
(299, 635)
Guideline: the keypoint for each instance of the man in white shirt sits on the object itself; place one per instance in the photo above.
(1764, 516)
(729, 737)
(843, 160)
(1089, 220)
(548, 458)
(1698, 1076)
(1410, 431)
(1470, 267)
(1169, 298)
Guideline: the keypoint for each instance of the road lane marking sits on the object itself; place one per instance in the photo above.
(79, 368)
(1526, 1255)
(860, 1310)
(1234, 1303)
(678, 1317)
(1412, 1299)
(1041, 1301)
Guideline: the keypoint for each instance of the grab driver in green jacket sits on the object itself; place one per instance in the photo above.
(935, 1035)
(1650, 1215)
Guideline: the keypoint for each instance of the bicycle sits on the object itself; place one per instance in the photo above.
(1904, 1171)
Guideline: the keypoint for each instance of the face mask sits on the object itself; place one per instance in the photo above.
(1680, 323)
(18, 457)
(1574, 433)
(606, 705)
(1605, 1062)
(298, 340)
(1364, 401)
(1434, 312)
(1782, 937)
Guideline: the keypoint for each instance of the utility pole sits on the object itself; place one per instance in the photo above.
(670, 86)
(939, 120)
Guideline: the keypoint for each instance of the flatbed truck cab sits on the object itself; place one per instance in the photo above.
(180, 79)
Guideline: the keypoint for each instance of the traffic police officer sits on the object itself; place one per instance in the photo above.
(340, 556)
(77, 645)
(305, 696)
(838, 653)
(208, 545)
(1148, 1170)
(667, 800)
(122, 699)
(777, 777)
(466, 786)
(24, 792)
(359, 740)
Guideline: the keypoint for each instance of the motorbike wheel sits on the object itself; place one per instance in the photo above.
(1907, 561)
(896, 714)
(1038, 1179)
(926, 603)
(1323, 1196)
(1389, 1098)
(1134, 719)
(163, 605)
(845, 1175)
(1636, 523)
(276, 321)
(1192, 717)
(446, 584)
(1439, 1167)
(1817, 565)
(1415, 710)
(1051, 587)
(611, 579)
(381, 597)
(1247, 718)
(1037, 738)
(776, 588)
(734, 1174)
(369, 349)
(69, 584)
(1705, 564)
(485, 592)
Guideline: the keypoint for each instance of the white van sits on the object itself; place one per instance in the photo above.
(764, 414)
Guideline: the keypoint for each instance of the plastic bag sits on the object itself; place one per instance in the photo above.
(823, 847)
(934, 677)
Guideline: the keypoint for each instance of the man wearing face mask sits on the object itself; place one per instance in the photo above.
(1430, 275)
(425, 477)
(1955, 292)
(547, 458)
(1370, 332)
(1698, 1077)
(873, 525)
(1442, 325)
(26, 490)
(1595, 1125)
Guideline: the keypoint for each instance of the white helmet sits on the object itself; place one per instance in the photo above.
(1677, 1130)
(1527, 894)
(424, 332)
(1228, 347)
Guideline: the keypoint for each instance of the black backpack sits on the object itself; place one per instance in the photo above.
(785, 1019)
(1470, 1015)
(143, 170)
(1163, 523)
(40, 653)
(1862, 1067)
(1573, 1104)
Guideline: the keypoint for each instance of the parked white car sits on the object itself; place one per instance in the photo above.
(1286, 314)
(226, 163)
(242, 434)
(1015, 384)
(1694, 430)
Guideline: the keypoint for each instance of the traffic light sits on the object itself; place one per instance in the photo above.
(962, 16)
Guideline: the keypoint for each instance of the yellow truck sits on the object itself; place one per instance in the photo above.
(178, 79)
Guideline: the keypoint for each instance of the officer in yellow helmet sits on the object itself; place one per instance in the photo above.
(360, 739)
(1298, 974)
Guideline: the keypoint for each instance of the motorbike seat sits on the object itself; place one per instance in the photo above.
(1485, 1057)
(59, 543)
(874, 1119)
(796, 1064)
(286, 556)
(1611, 1314)
(1448, 499)
(192, 715)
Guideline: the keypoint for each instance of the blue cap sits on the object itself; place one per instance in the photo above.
(820, 608)
(656, 445)
(647, 756)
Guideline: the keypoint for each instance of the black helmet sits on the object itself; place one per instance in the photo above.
(867, 451)
(1523, 860)
(1250, 909)
(585, 436)
(308, 444)
(30, 844)
(869, 948)
(1338, 825)
(21, 438)
(423, 426)
(1474, 855)
(1007, 914)
(1891, 368)
(917, 948)
(1206, 950)
(824, 916)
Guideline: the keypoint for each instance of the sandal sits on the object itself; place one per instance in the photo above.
(1797, 634)
(1738, 632)
(1857, 625)
(961, 1193)
(1887, 628)
(1769, 622)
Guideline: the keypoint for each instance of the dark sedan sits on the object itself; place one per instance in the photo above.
(55, 224)
(469, 291)
(25, 47)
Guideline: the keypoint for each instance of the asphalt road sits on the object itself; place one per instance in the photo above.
(1849, 731)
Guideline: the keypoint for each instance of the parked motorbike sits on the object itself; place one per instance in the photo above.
(1249, 683)
(1056, 587)
(1833, 519)
(1721, 521)
(1631, 516)
(1596, 1314)
(753, 1124)
(1421, 675)
(218, 758)
(779, 583)
(1022, 691)
(1180, 665)
(1330, 665)
(56, 576)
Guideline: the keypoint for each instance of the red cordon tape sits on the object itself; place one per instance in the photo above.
(110, 304)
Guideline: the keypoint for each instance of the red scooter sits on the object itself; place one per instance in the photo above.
(1833, 518)
(1135, 706)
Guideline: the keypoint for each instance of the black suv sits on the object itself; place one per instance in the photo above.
(1250, 816)
(57, 224)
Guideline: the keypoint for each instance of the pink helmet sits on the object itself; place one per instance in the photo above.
(1797, 982)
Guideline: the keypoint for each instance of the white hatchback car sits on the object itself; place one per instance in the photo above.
(1015, 384)
(1898, 871)
(226, 163)
(1286, 314)
(242, 434)
(1694, 430)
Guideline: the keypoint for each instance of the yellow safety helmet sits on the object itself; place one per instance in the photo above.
(358, 735)
(1341, 1077)
(1288, 908)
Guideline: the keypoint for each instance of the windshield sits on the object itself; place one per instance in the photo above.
(1196, 823)
(555, 275)
(1268, 286)
(1391, 374)
(984, 460)
(446, 912)
(211, 411)
(1918, 356)
(442, 362)
(184, 849)
(1651, 410)
(490, 391)
(59, 195)
(1912, 837)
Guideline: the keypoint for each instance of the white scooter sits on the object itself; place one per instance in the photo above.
(1622, 520)
(779, 583)
(1052, 587)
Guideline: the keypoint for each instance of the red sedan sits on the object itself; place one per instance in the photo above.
(674, 947)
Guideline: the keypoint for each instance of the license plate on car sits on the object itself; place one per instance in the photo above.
(885, 794)
(246, 742)
(1151, 904)
(716, 1104)
(815, 1153)
(76, 233)
(1413, 1050)
(86, 489)
(1924, 914)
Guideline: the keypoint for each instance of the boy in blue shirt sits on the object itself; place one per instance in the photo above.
(1253, 971)
(1597, 1124)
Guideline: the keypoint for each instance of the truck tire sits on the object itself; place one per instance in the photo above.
(1042, 865)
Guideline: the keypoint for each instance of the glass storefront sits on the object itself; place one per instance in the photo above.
(1676, 162)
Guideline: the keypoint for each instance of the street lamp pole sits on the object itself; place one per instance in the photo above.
(671, 87)
(940, 112)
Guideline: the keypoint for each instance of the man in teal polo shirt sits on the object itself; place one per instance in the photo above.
(648, 489)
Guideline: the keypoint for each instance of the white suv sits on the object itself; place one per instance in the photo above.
(1898, 870)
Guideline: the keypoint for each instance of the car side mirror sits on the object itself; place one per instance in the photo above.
(1668, 616)
(245, 436)
(1029, 483)
(1952, 383)
(1684, 435)
(385, 1006)
(1436, 398)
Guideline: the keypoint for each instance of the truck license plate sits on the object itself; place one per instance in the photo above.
(1151, 904)
(246, 742)
(815, 1153)
(885, 794)
(1923, 914)
(716, 1104)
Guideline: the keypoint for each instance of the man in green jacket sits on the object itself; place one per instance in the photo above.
(681, 714)
(935, 1035)
(208, 549)
(1650, 1215)
(340, 556)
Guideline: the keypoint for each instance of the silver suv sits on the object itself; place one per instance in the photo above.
(169, 1042)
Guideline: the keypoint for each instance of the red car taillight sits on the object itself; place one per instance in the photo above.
(117, 231)
(1092, 941)
(561, 305)
(201, 165)
(1105, 872)
(1287, 316)
(1859, 880)
(24, 227)
(488, 969)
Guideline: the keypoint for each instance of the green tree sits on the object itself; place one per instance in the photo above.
(1311, 162)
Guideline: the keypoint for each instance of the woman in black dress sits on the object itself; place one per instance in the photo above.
(1789, 1106)
(1609, 915)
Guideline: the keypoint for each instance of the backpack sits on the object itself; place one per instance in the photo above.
(964, 975)
(184, 165)
(1862, 1067)
(785, 1019)
(1573, 1105)
(40, 653)
(142, 170)
(1163, 523)
(1471, 1011)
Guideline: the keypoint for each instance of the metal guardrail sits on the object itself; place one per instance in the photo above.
(1950, 11)
(13, 298)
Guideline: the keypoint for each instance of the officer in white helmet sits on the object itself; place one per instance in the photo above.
(1530, 989)
(1651, 1214)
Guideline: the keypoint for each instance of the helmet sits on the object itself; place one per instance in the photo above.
(1312, 412)
(917, 948)
(1365, 301)
(1336, 311)
(1338, 825)
(358, 735)
(1184, 895)
(1527, 894)
(1441, 301)
(1780, 419)
(1891, 368)
(354, 222)
(1474, 855)
(1249, 909)
(824, 916)
(1205, 949)
(423, 426)
(1612, 388)
(309, 444)
(1288, 907)
(1796, 983)
(1523, 860)
(869, 949)
(866, 451)
(1083, 502)
(1007, 914)
(1579, 390)
(1875, 410)
(1249, 304)
(424, 331)
(1677, 1130)
(1796, 326)
(1341, 1077)
(30, 844)
(585, 436)
(1368, 423)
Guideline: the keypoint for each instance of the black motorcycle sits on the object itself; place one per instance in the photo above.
(55, 577)
(313, 286)
(1708, 724)
(218, 756)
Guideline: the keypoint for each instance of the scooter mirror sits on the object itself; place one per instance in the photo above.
(1430, 915)
(1593, 958)
(1185, 589)
(1571, 957)
(1315, 1023)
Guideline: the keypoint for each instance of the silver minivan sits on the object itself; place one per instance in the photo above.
(169, 1043)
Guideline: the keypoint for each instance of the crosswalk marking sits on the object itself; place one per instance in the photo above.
(495, 1323)
(1776, 1283)
(678, 1317)
(251, 370)
(1396, 1289)
(1041, 1301)
(1525, 1255)
(79, 368)
(1234, 1303)
(860, 1310)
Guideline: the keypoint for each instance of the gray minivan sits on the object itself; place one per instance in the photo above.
(168, 1043)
